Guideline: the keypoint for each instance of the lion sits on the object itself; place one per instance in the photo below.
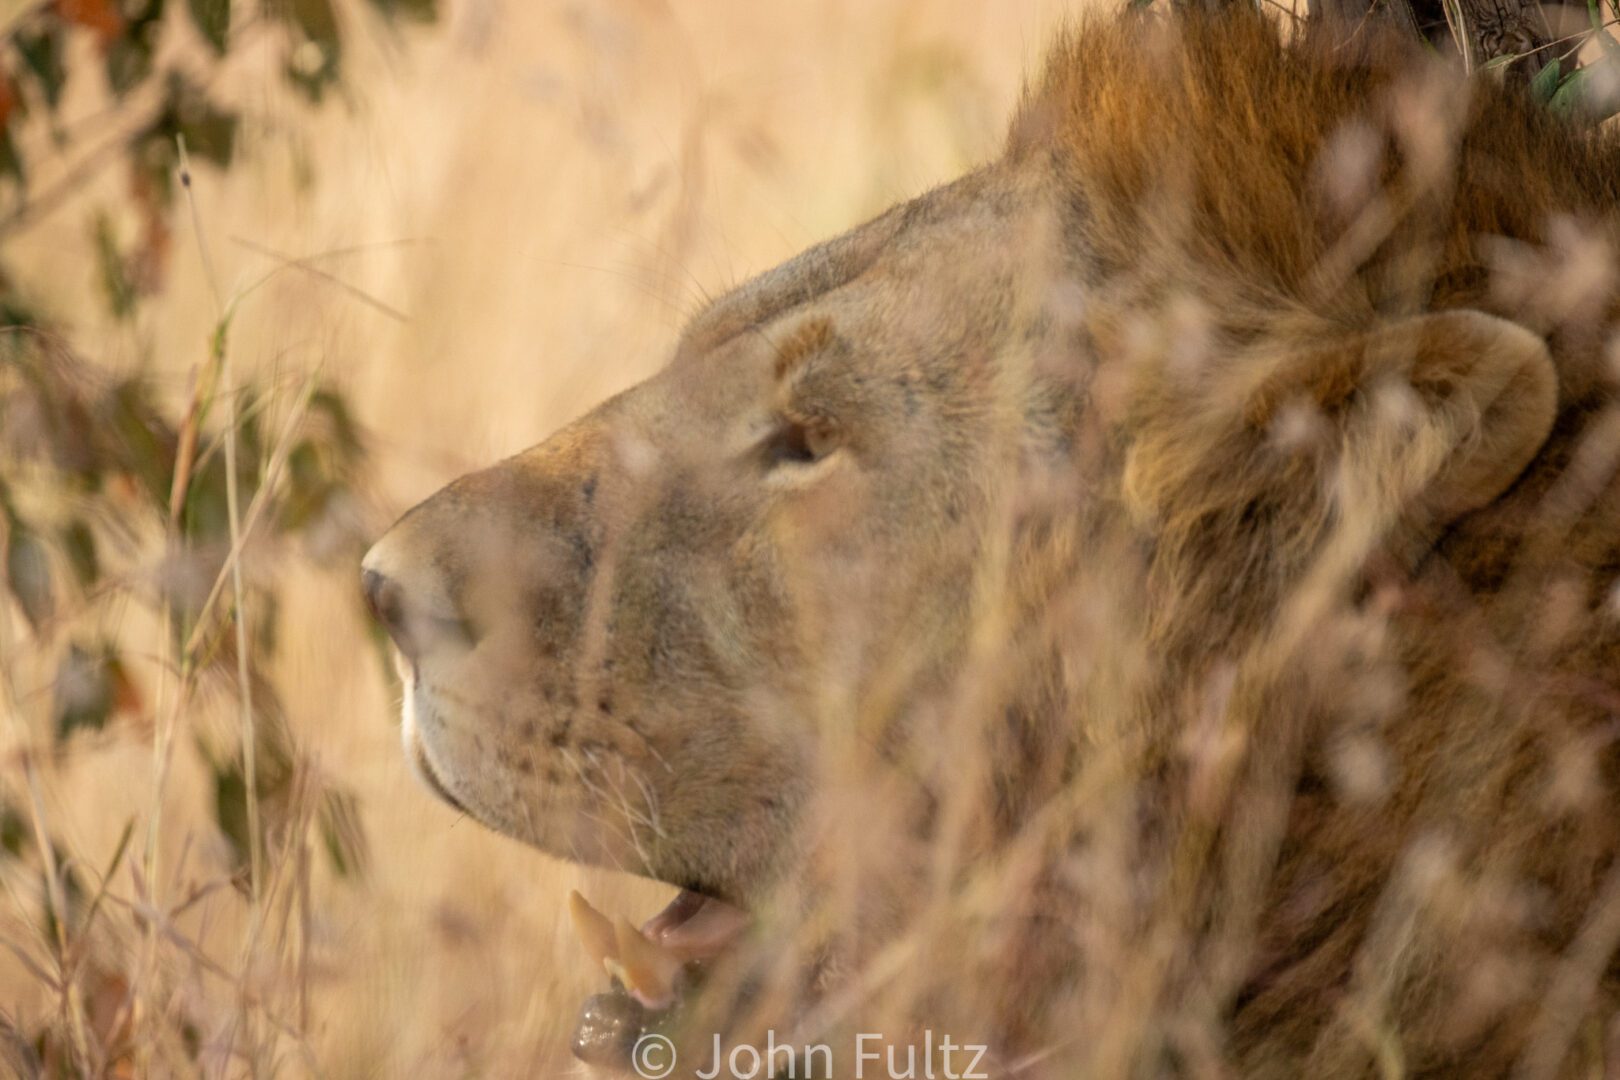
(1146, 607)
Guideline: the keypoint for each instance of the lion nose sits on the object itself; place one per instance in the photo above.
(416, 615)
(385, 602)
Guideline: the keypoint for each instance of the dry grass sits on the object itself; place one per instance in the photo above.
(505, 221)
(542, 191)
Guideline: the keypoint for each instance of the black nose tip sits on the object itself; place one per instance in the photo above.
(416, 627)
(385, 602)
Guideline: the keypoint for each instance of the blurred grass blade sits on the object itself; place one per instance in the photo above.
(212, 18)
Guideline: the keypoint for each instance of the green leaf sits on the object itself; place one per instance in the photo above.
(129, 62)
(205, 515)
(344, 429)
(28, 573)
(1590, 93)
(313, 61)
(15, 309)
(422, 11)
(83, 693)
(1545, 83)
(210, 132)
(230, 809)
(1571, 92)
(145, 443)
(129, 57)
(11, 163)
(311, 68)
(10, 159)
(307, 486)
(13, 830)
(41, 53)
(313, 18)
(213, 21)
(80, 545)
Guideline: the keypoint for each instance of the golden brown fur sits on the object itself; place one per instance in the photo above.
(1196, 529)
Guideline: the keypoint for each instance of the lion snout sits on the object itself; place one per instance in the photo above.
(411, 604)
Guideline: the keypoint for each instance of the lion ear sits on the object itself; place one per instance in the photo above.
(1381, 438)
(1494, 387)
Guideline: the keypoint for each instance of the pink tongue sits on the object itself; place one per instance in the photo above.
(696, 927)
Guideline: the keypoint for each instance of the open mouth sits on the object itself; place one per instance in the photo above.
(653, 964)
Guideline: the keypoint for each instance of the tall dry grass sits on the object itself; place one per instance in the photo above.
(510, 215)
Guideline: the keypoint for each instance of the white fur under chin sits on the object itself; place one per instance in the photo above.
(408, 733)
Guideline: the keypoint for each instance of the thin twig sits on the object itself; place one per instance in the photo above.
(307, 265)
(255, 508)
(221, 357)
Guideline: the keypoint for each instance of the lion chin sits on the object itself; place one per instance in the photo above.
(416, 753)
(650, 966)
(1146, 606)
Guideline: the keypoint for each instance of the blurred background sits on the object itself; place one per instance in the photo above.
(419, 235)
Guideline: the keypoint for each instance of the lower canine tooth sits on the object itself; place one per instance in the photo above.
(594, 930)
(648, 971)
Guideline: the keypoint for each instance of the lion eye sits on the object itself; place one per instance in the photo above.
(799, 442)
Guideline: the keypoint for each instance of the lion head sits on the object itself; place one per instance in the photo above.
(617, 645)
(1127, 476)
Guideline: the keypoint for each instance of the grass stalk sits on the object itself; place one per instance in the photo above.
(220, 359)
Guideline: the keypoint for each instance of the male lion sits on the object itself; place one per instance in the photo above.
(1146, 607)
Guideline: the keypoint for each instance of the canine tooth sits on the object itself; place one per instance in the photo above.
(649, 970)
(594, 930)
